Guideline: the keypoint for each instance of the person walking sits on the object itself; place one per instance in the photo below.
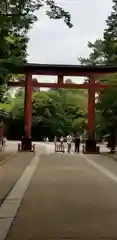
(47, 140)
(77, 143)
(69, 141)
(62, 141)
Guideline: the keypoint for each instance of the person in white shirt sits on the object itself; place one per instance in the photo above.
(61, 140)
(55, 139)
(69, 141)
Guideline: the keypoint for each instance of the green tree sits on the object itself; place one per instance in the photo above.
(110, 36)
(104, 51)
(79, 124)
(97, 55)
(3, 90)
(16, 18)
(53, 113)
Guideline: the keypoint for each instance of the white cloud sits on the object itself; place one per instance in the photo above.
(51, 41)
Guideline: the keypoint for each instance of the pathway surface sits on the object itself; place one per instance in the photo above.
(7, 151)
(11, 171)
(62, 196)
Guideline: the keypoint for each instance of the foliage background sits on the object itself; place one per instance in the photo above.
(54, 113)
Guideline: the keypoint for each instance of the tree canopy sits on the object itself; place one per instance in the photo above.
(16, 18)
(54, 113)
(104, 51)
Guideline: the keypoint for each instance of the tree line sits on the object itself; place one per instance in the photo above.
(104, 52)
(54, 113)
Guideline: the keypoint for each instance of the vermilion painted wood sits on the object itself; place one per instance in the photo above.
(28, 106)
(91, 108)
(92, 72)
(95, 86)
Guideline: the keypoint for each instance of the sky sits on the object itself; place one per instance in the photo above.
(52, 42)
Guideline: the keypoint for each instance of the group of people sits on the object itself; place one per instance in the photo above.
(69, 139)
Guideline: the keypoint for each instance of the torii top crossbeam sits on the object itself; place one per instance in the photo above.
(65, 70)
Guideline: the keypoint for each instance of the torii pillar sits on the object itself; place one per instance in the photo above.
(26, 139)
(91, 141)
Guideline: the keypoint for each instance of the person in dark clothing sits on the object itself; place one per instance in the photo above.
(77, 143)
(111, 143)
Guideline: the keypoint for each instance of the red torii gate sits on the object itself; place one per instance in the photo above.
(91, 72)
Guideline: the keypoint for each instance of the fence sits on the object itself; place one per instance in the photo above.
(59, 147)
